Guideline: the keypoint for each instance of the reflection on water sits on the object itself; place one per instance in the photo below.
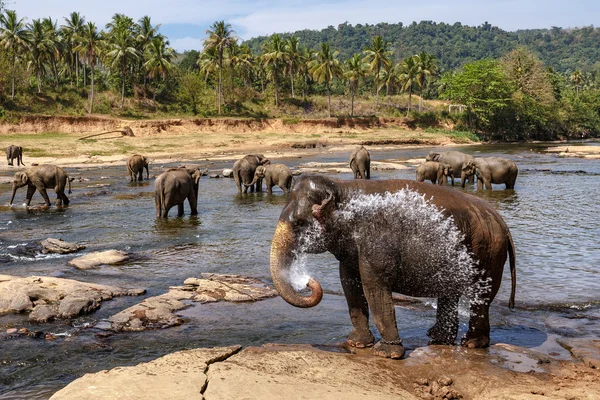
(552, 213)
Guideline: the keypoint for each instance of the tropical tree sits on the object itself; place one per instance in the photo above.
(73, 28)
(144, 33)
(274, 58)
(38, 45)
(577, 80)
(220, 37)
(122, 52)
(407, 75)
(90, 42)
(54, 46)
(293, 59)
(324, 68)
(14, 38)
(426, 69)
(356, 69)
(159, 60)
(377, 55)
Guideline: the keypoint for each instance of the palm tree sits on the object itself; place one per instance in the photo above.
(145, 32)
(13, 36)
(426, 69)
(355, 70)
(54, 45)
(577, 79)
(220, 37)
(407, 75)
(89, 46)
(377, 56)
(39, 45)
(293, 59)
(209, 64)
(324, 68)
(158, 60)
(122, 53)
(274, 57)
(73, 29)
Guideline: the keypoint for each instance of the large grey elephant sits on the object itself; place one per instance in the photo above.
(244, 169)
(13, 152)
(435, 171)
(273, 174)
(135, 167)
(400, 236)
(41, 178)
(453, 158)
(172, 187)
(360, 162)
(490, 170)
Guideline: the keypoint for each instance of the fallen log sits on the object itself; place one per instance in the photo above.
(125, 131)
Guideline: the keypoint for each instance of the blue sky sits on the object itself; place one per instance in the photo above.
(185, 21)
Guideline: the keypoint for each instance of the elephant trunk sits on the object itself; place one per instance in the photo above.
(463, 178)
(281, 260)
(253, 181)
(14, 191)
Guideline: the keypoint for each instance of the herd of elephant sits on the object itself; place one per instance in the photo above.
(380, 251)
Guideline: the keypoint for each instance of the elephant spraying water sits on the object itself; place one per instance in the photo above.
(400, 236)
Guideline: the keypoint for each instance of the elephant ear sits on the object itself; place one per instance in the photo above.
(323, 210)
(23, 177)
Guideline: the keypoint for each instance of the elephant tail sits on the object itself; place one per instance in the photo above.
(513, 270)
(69, 181)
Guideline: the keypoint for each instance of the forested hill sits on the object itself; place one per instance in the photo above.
(454, 45)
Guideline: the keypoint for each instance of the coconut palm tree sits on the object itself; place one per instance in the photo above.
(426, 69)
(159, 60)
(72, 29)
(577, 80)
(293, 59)
(407, 75)
(377, 56)
(39, 46)
(121, 54)
(220, 37)
(54, 47)
(355, 70)
(324, 68)
(208, 62)
(90, 42)
(144, 33)
(14, 38)
(274, 58)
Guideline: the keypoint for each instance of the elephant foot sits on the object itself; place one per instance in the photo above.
(393, 350)
(479, 342)
(360, 339)
(440, 336)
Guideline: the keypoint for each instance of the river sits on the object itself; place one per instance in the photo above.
(553, 214)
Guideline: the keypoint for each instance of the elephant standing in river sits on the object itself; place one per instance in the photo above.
(135, 167)
(435, 172)
(360, 162)
(274, 174)
(172, 187)
(244, 169)
(395, 236)
(453, 158)
(13, 152)
(40, 178)
(490, 170)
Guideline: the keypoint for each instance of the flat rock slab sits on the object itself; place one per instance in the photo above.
(97, 258)
(586, 350)
(180, 375)
(159, 311)
(59, 246)
(47, 298)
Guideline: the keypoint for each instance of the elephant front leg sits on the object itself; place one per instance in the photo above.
(446, 325)
(478, 335)
(30, 192)
(379, 296)
(180, 210)
(358, 307)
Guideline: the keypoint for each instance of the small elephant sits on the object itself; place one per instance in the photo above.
(399, 236)
(490, 170)
(244, 169)
(172, 187)
(135, 166)
(435, 172)
(360, 162)
(274, 174)
(453, 158)
(13, 152)
(40, 178)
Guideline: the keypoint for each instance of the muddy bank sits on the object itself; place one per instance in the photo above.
(305, 372)
(589, 152)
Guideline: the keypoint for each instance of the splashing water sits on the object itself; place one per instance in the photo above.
(311, 237)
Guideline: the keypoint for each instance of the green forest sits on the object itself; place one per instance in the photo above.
(524, 85)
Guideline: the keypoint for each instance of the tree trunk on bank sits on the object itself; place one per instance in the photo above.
(92, 90)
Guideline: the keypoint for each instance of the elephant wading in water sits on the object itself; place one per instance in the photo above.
(360, 162)
(244, 169)
(453, 158)
(274, 174)
(490, 170)
(435, 172)
(135, 167)
(41, 178)
(172, 187)
(13, 152)
(400, 236)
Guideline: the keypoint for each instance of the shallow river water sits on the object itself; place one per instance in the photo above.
(553, 214)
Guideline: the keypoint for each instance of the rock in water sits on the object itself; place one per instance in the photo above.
(98, 258)
(59, 246)
(227, 173)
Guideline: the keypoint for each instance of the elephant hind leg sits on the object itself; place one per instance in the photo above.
(358, 307)
(446, 325)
